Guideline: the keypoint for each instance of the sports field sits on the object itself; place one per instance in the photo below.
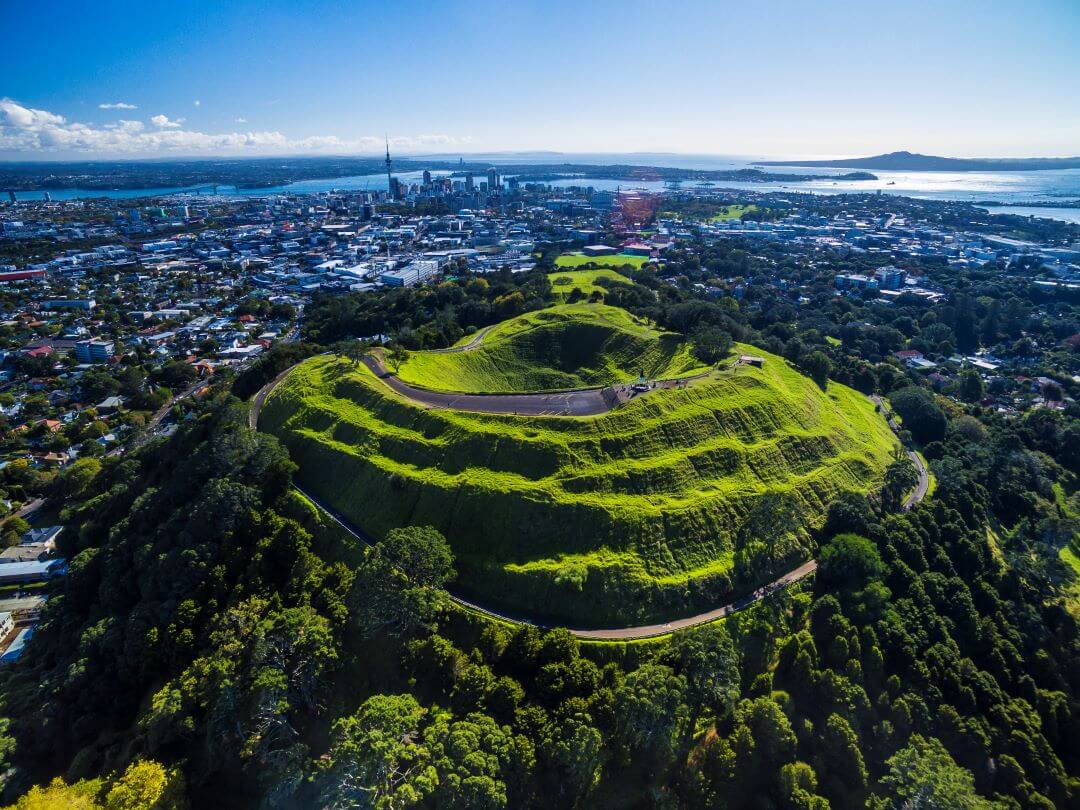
(564, 282)
(572, 260)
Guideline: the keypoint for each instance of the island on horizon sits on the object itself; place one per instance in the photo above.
(914, 162)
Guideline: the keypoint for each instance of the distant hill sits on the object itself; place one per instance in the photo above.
(913, 162)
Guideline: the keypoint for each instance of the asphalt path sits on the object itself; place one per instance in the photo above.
(576, 402)
(923, 485)
(472, 344)
(447, 400)
(609, 634)
(585, 402)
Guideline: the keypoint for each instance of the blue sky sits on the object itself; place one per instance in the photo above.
(763, 78)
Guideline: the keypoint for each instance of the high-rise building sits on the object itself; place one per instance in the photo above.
(889, 277)
(470, 182)
(427, 177)
(493, 180)
(94, 351)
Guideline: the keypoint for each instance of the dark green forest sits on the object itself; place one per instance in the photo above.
(214, 623)
(219, 642)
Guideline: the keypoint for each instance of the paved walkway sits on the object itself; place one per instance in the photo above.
(923, 485)
(260, 397)
(446, 400)
(612, 634)
(587, 402)
(472, 344)
(578, 402)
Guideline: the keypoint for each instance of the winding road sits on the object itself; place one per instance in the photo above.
(923, 485)
(542, 404)
(584, 402)
(611, 634)
(575, 402)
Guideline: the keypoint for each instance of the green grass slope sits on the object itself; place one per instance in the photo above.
(633, 516)
(564, 282)
(562, 347)
(615, 260)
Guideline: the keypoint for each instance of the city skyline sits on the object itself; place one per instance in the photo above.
(777, 80)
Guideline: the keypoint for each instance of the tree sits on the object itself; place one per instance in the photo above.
(478, 764)
(147, 785)
(176, 375)
(798, 787)
(921, 414)
(74, 480)
(966, 325)
(13, 530)
(706, 657)
(818, 366)
(395, 356)
(376, 760)
(58, 795)
(849, 560)
(650, 711)
(711, 345)
(841, 763)
(572, 750)
(900, 476)
(399, 584)
(971, 386)
(774, 741)
(990, 328)
(849, 513)
(354, 351)
(923, 774)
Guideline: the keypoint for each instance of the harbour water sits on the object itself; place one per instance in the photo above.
(1015, 191)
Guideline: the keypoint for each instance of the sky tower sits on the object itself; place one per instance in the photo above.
(389, 174)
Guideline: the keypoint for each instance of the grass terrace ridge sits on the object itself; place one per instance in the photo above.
(556, 349)
(653, 511)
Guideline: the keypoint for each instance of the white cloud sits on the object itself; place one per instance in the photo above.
(198, 103)
(241, 120)
(164, 122)
(117, 105)
(28, 130)
(129, 127)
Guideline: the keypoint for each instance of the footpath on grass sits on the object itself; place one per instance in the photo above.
(577, 402)
(608, 634)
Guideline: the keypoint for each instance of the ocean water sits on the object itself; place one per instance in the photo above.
(1014, 190)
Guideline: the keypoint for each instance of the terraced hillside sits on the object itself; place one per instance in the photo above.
(658, 509)
(562, 347)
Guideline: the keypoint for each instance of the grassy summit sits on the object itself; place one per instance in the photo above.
(655, 510)
(562, 347)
